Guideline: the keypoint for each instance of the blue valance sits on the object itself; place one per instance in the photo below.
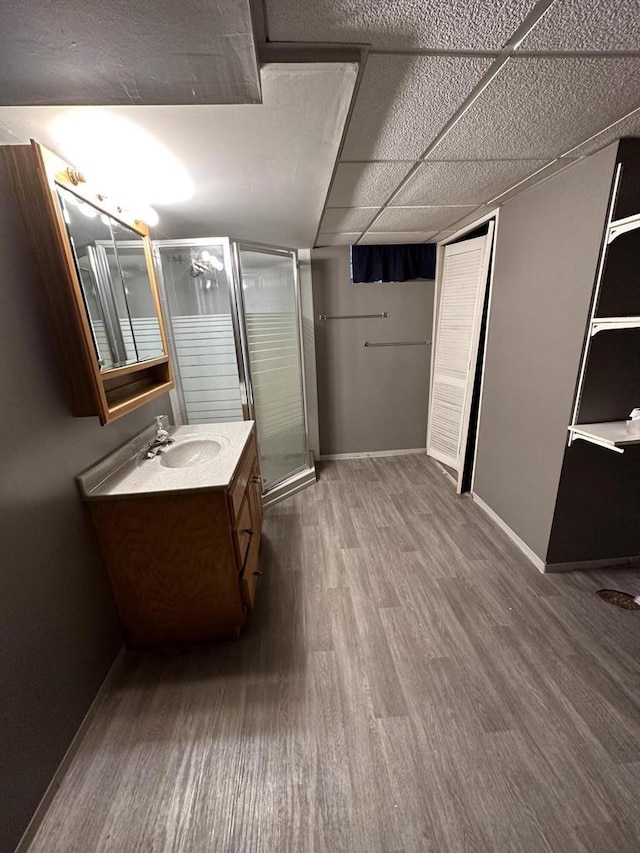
(402, 262)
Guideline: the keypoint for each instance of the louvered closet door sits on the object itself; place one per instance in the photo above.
(462, 289)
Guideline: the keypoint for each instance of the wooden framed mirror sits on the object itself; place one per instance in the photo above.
(97, 272)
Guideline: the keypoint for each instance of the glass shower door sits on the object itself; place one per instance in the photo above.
(268, 297)
(196, 277)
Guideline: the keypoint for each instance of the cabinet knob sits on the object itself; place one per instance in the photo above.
(248, 530)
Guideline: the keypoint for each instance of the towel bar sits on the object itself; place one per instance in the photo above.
(396, 343)
(382, 316)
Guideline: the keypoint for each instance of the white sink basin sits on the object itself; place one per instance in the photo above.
(195, 451)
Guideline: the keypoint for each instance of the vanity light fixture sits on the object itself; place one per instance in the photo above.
(121, 158)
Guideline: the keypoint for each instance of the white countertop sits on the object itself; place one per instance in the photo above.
(127, 473)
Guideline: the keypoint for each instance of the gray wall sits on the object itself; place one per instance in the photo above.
(546, 256)
(58, 629)
(370, 399)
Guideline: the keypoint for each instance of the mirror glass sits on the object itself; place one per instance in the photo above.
(138, 294)
(115, 282)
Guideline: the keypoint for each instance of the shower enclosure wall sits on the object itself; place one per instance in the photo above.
(233, 311)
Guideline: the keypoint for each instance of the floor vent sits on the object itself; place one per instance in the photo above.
(620, 599)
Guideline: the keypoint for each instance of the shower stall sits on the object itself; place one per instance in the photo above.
(235, 329)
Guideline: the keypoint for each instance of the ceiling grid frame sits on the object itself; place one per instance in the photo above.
(542, 167)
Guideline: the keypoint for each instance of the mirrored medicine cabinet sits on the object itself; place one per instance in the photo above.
(97, 273)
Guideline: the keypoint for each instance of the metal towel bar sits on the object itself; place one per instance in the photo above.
(396, 343)
(382, 316)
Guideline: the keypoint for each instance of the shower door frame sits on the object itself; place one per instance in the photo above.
(300, 477)
(303, 475)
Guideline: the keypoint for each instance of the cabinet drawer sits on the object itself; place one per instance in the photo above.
(243, 477)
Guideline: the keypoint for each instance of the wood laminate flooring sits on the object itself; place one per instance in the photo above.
(409, 682)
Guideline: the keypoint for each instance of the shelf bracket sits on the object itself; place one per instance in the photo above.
(622, 226)
(576, 435)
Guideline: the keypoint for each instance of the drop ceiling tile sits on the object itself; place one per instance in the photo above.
(542, 175)
(347, 239)
(404, 101)
(394, 237)
(365, 184)
(418, 218)
(470, 218)
(337, 219)
(463, 181)
(403, 24)
(442, 235)
(540, 107)
(627, 126)
(587, 25)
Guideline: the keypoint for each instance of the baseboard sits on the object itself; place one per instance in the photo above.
(586, 565)
(52, 789)
(372, 454)
(526, 550)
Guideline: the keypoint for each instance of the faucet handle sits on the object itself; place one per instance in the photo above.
(161, 432)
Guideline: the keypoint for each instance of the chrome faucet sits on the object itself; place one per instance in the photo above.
(161, 441)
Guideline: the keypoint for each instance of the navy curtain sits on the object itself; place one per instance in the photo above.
(404, 262)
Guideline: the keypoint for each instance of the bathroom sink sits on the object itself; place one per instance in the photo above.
(186, 454)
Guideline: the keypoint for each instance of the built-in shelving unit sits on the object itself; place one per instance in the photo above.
(609, 382)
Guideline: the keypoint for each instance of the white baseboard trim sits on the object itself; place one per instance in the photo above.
(586, 565)
(526, 550)
(332, 457)
(52, 788)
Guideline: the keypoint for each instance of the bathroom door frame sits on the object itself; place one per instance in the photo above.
(304, 474)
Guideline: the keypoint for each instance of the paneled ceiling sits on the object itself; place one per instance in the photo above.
(458, 105)
(462, 105)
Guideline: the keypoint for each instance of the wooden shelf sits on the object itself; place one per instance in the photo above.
(614, 435)
(604, 324)
(621, 226)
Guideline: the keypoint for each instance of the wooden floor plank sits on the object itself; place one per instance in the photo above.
(408, 683)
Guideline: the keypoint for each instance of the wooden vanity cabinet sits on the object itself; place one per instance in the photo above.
(184, 568)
